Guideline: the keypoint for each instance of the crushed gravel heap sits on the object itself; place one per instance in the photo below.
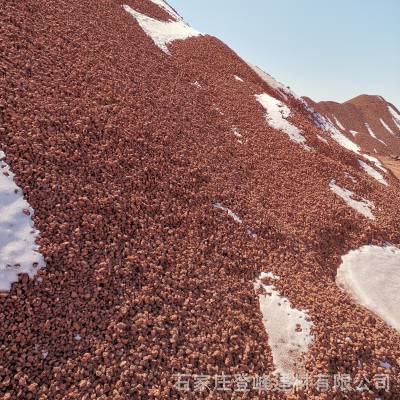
(123, 151)
(370, 121)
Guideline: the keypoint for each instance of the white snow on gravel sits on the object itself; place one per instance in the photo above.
(363, 207)
(345, 142)
(372, 133)
(395, 116)
(322, 123)
(238, 78)
(236, 218)
(322, 139)
(237, 134)
(371, 274)
(397, 123)
(327, 125)
(351, 177)
(229, 211)
(167, 8)
(375, 161)
(386, 126)
(338, 123)
(372, 172)
(276, 114)
(18, 251)
(283, 90)
(270, 275)
(288, 329)
(163, 33)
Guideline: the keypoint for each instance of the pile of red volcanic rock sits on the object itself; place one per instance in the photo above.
(122, 157)
(370, 121)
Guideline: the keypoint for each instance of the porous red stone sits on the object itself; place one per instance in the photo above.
(122, 158)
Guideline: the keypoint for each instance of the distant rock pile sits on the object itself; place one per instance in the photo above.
(370, 121)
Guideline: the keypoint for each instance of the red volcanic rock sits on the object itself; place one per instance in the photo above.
(352, 116)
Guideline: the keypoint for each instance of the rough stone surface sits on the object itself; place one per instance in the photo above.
(122, 158)
(352, 116)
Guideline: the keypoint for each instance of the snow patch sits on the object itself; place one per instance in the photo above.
(269, 275)
(327, 125)
(283, 90)
(371, 274)
(18, 251)
(395, 116)
(322, 123)
(354, 133)
(372, 172)
(288, 329)
(163, 33)
(236, 218)
(276, 114)
(229, 211)
(363, 207)
(341, 139)
(351, 177)
(375, 161)
(238, 78)
(237, 134)
(322, 139)
(397, 123)
(338, 123)
(386, 126)
(372, 133)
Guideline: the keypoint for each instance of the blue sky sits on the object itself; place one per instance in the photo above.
(327, 50)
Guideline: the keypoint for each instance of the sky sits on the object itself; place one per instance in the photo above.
(324, 49)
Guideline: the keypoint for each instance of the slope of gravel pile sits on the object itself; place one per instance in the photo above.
(370, 121)
(122, 150)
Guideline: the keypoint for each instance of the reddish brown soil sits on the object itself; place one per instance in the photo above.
(122, 158)
(392, 164)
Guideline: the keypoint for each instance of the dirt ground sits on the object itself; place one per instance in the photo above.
(393, 165)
